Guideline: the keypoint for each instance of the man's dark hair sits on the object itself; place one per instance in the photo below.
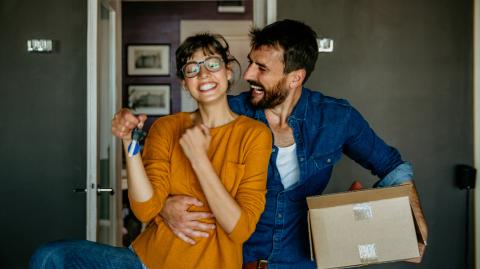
(209, 43)
(298, 41)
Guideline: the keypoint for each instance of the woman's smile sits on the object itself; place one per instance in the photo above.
(204, 87)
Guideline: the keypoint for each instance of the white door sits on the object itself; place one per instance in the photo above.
(102, 212)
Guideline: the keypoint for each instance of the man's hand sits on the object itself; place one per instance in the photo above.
(356, 186)
(185, 224)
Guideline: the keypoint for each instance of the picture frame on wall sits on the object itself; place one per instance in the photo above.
(149, 99)
(148, 60)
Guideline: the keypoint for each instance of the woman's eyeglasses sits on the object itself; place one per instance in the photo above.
(212, 64)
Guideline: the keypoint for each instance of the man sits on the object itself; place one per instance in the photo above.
(311, 131)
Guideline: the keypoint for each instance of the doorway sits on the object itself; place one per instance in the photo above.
(107, 85)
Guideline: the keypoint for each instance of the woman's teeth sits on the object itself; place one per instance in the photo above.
(208, 86)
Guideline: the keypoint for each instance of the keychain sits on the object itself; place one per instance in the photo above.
(137, 135)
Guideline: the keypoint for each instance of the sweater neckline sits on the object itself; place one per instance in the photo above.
(188, 119)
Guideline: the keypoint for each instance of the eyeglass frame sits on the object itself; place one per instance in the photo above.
(202, 63)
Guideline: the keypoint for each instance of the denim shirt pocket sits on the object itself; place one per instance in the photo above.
(326, 160)
(231, 176)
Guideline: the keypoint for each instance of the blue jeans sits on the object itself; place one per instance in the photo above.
(84, 254)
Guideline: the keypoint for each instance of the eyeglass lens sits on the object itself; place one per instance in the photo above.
(212, 64)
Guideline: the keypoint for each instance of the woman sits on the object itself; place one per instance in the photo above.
(211, 154)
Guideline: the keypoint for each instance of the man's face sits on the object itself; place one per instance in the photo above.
(265, 75)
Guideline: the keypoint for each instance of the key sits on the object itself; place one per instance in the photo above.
(134, 148)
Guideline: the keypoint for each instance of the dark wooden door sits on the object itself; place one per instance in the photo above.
(43, 126)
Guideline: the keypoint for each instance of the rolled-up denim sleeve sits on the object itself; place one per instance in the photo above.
(399, 175)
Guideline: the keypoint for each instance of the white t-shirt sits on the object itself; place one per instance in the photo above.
(287, 165)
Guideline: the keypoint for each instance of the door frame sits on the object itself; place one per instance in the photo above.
(476, 124)
(264, 12)
(93, 121)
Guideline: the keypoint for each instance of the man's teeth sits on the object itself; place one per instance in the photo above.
(208, 86)
(256, 88)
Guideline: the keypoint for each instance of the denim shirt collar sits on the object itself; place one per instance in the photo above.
(300, 110)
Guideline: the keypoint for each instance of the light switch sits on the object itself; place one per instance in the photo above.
(40, 45)
(325, 44)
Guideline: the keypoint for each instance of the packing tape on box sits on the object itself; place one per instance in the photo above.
(362, 211)
(367, 253)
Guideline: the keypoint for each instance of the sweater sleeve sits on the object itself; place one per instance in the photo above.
(252, 188)
(157, 167)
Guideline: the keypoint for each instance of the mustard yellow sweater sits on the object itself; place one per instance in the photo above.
(239, 152)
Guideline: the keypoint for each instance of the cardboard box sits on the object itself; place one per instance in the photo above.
(362, 227)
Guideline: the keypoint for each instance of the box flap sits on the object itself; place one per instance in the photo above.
(361, 196)
(419, 221)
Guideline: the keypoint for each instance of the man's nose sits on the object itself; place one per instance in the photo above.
(249, 73)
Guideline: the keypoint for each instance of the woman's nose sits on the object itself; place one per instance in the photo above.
(203, 72)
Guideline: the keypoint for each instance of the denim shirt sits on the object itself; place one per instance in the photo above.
(323, 128)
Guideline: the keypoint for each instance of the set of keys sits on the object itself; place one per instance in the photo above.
(137, 135)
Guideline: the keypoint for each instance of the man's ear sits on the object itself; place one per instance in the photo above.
(296, 78)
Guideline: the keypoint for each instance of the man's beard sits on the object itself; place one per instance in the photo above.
(271, 97)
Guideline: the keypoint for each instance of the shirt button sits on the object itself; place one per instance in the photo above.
(279, 215)
(329, 160)
(301, 159)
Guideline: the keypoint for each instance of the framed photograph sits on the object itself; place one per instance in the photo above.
(149, 60)
(149, 99)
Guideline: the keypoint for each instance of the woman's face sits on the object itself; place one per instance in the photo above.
(210, 84)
